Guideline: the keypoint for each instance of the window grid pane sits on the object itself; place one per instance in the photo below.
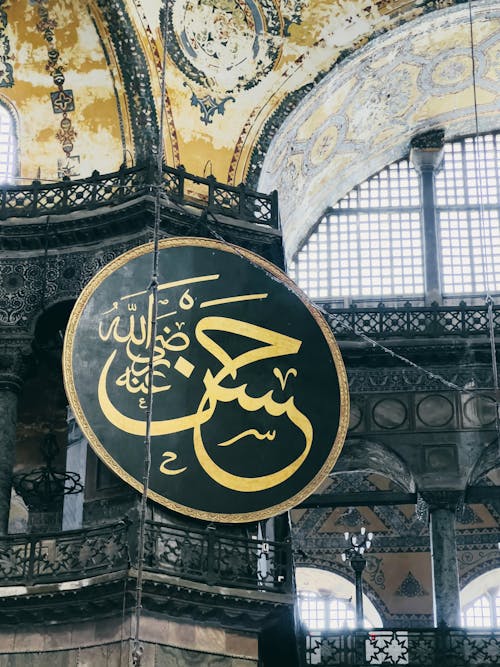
(7, 145)
(341, 615)
(468, 200)
(325, 613)
(312, 611)
(370, 243)
(478, 614)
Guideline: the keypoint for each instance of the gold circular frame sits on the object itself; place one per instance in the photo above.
(67, 362)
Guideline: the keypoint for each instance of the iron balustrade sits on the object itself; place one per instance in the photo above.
(204, 555)
(433, 647)
(36, 199)
(218, 559)
(55, 557)
(409, 321)
(439, 647)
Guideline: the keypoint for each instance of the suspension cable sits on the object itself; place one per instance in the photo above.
(138, 649)
(480, 167)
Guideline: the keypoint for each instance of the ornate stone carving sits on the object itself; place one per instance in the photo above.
(448, 499)
(367, 380)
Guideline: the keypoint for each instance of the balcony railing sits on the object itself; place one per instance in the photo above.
(194, 554)
(411, 321)
(441, 647)
(239, 202)
(206, 555)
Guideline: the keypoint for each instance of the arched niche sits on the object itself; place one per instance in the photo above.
(42, 401)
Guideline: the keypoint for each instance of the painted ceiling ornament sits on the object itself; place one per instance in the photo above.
(62, 99)
(225, 45)
(208, 105)
(6, 70)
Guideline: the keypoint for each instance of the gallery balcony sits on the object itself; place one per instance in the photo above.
(68, 196)
(92, 572)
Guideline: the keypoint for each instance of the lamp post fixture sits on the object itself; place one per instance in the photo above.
(358, 545)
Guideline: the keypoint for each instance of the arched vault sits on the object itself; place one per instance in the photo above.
(363, 114)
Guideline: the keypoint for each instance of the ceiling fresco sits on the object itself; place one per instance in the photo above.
(57, 82)
(341, 86)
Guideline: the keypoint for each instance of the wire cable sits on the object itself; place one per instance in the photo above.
(137, 647)
(487, 257)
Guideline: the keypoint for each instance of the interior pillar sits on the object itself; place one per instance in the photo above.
(427, 155)
(445, 582)
(13, 355)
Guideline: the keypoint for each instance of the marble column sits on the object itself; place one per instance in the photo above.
(13, 355)
(427, 155)
(76, 461)
(445, 583)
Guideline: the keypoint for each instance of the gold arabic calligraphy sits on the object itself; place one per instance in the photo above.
(132, 334)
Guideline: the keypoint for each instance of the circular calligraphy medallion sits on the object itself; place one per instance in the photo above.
(250, 396)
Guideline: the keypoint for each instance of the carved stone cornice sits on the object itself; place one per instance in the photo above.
(404, 379)
(102, 596)
(427, 151)
(443, 499)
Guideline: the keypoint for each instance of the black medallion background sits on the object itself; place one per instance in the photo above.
(203, 325)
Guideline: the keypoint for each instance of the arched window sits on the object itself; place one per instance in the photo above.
(7, 144)
(325, 612)
(481, 601)
(369, 245)
(326, 601)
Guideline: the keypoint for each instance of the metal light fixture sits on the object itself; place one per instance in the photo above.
(359, 544)
(42, 488)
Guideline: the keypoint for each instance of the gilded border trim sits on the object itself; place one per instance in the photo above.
(67, 361)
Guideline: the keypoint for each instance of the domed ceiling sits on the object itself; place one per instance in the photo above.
(337, 84)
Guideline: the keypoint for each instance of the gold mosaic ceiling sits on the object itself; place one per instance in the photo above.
(341, 86)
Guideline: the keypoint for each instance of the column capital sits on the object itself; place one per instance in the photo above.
(427, 150)
(443, 499)
(15, 352)
(358, 563)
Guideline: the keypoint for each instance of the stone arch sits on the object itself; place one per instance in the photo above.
(488, 460)
(363, 114)
(481, 569)
(42, 400)
(373, 457)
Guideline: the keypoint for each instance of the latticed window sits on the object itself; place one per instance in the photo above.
(481, 612)
(370, 243)
(7, 145)
(312, 611)
(325, 613)
(468, 212)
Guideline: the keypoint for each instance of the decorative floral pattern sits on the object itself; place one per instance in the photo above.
(62, 99)
(411, 587)
(6, 70)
